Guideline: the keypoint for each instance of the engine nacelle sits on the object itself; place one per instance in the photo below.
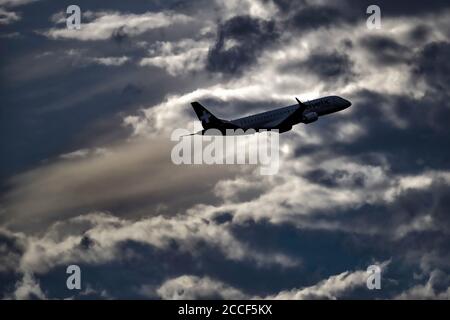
(310, 117)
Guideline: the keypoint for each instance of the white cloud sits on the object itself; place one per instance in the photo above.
(193, 287)
(89, 178)
(290, 197)
(110, 61)
(28, 288)
(283, 86)
(419, 181)
(11, 250)
(58, 17)
(331, 288)
(105, 24)
(254, 8)
(428, 290)
(15, 3)
(83, 153)
(8, 17)
(178, 58)
(61, 243)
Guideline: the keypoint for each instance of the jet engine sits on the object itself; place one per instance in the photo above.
(310, 117)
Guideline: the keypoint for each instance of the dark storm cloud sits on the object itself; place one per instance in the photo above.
(386, 50)
(223, 217)
(410, 149)
(306, 16)
(336, 178)
(420, 33)
(324, 254)
(248, 37)
(409, 205)
(148, 270)
(418, 145)
(314, 17)
(151, 267)
(152, 262)
(414, 149)
(388, 231)
(432, 65)
(414, 230)
(119, 35)
(328, 67)
(12, 248)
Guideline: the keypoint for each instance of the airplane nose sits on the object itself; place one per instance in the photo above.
(346, 103)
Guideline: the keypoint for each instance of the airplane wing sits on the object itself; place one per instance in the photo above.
(278, 122)
(289, 119)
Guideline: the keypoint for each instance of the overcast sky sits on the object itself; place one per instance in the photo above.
(85, 170)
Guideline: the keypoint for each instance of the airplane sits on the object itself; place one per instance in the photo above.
(281, 119)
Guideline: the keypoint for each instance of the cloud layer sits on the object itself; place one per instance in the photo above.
(89, 181)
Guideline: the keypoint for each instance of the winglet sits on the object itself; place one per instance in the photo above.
(301, 104)
(302, 107)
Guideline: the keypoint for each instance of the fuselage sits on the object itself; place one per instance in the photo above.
(281, 119)
(284, 118)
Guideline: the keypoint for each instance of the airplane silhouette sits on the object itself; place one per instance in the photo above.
(281, 119)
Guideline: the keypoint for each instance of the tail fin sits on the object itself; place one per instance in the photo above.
(207, 118)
